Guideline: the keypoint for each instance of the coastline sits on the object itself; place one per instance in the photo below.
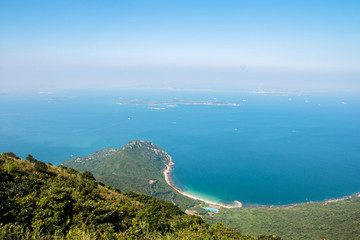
(167, 173)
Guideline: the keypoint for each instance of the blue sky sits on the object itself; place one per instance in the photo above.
(218, 45)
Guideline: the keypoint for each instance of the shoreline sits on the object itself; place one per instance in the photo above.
(167, 173)
(324, 202)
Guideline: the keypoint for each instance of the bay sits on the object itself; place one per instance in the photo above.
(271, 150)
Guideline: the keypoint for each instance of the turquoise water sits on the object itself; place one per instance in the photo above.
(270, 150)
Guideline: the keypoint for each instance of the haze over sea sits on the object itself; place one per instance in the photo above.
(271, 150)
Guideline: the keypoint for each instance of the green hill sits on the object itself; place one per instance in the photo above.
(40, 201)
(137, 166)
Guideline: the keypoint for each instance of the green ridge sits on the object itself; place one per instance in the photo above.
(137, 166)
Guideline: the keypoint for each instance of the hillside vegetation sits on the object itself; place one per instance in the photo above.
(333, 220)
(41, 201)
(137, 166)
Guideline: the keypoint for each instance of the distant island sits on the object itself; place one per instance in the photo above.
(161, 105)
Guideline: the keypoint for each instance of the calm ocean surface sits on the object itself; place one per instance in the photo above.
(270, 150)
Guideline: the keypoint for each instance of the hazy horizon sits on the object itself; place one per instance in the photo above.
(309, 46)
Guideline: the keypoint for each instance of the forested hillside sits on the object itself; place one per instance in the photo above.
(41, 201)
(137, 166)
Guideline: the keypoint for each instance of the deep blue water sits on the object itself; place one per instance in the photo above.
(270, 150)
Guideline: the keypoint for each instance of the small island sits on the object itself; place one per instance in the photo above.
(161, 105)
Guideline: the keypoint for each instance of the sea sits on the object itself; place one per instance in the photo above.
(269, 149)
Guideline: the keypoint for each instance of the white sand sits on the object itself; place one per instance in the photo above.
(168, 180)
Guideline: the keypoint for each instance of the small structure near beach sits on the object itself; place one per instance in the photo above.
(212, 209)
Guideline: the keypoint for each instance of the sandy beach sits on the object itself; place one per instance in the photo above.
(167, 173)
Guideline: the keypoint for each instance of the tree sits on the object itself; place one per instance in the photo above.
(11, 154)
(40, 166)
(30, 158)
(88, 175)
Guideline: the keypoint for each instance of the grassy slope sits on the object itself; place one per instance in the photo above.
(130, 169)
(339, 220)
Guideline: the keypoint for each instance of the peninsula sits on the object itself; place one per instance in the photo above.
(139, 166)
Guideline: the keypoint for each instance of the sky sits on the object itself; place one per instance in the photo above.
(240, 45)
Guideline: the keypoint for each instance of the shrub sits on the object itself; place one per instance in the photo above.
(72, 171)
(11, 231)
(54, 210)
(11, 154)
(101, 184)
(88, 175)
(12, 168)
(62, 167)
(30, 158)
(40, 166)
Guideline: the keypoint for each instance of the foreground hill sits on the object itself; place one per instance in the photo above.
(137, 166)
(40, 201)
